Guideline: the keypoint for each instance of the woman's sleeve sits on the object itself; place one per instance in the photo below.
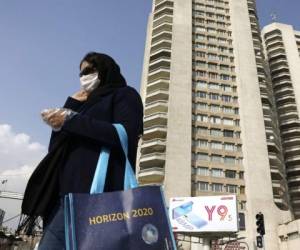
(127, 110)
(70, 103)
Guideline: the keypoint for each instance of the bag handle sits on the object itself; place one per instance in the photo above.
(102, 165)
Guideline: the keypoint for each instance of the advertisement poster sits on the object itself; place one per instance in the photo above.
(204, 214)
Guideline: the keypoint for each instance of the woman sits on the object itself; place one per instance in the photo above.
(78, 136)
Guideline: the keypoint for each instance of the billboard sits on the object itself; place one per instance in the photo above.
(204, 214)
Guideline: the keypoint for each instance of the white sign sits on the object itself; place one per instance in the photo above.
(204, 214)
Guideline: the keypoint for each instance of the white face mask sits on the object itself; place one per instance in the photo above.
(89, 82)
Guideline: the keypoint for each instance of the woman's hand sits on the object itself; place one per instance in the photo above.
(81, 95)
(54, 118)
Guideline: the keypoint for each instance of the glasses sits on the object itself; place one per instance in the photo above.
(87, 71)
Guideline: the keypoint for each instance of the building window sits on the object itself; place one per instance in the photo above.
(202, 131)
(200, 45)
(212, 39)
(215, 187)
(242, 224)
(229, 147)
(201, 94)
(212, 66)
(202, 118)
(215, 120)
(228, 122)
(227, 88)
(229, 160)
(201, 73)
(242, 190)
(228, 133)
(216, 132)
(212, 56)
(212, 47)
(203, 186)
(226, 98)
(212, 85)
(213, 96)
(202, 143)
(214, 108)
(200, 29)
(216, 158)
(224, 67)
(213, 75)
(241, 175)
(231, 189)
(230, 174)
(202, 157)
(200, 84)
(217, 172)
(228, 110)
(202, 171)
(202, 106)
(216, 145)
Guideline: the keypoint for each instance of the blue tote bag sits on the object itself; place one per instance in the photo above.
(133, 219)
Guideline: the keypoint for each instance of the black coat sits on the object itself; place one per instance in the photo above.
(91, 130)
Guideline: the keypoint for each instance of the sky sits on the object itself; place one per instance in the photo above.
(41, 45)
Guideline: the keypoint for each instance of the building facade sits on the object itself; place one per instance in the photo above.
(211, 124)
(282, 46)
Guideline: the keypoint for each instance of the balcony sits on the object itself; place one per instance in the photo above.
(272, 146)
(292, 151)
(152, 160)
(281, 203)
(294, 179)
(274, 160)
(286, 90)
(161, 45)
(165, 27)
(285, 99)
(161, 73)
(155, 119)
(287, 107)
(155, 132)
(280, 83)
(165, 18)
(163, 3)
(274, 50)
(296, 203)
(151, 175)
(273, 35)
(278, 188)
(159, 63)
(276, 53)
(292, 141)
(157, 95)
(274, 43)
(276, 173)
(291, 123)
(158, 84)
(279, 76)
(294, 190)
(152, 146)
(163, 36)
(165, 10)
(156, 107)
(292, 161)
(288, 116)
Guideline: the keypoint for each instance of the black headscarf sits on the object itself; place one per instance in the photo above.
(109, 74)
(42, 191)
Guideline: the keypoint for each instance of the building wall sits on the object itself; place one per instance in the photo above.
(282, 49)
(289, 235)
(178, 152)
(167, 153)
